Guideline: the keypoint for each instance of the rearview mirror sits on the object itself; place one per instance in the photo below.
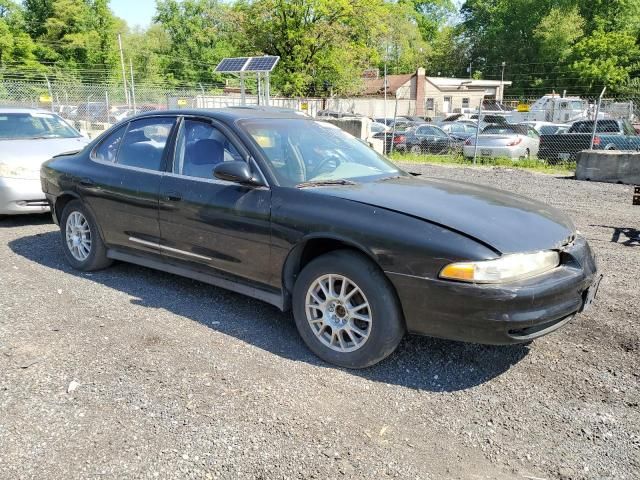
(237, 171)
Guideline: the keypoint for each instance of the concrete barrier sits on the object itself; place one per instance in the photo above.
(359, 127)
(611, 166)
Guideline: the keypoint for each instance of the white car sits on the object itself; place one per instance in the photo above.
(28, 138)
(504, 141)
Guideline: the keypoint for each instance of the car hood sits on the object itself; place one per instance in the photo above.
(506, 222)
(32, 153)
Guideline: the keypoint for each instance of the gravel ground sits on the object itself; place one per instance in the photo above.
(132, 373)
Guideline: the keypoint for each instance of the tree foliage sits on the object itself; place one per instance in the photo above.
(325, 45)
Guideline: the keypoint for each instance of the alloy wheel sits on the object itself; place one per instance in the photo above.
(338, 313)
(78, 236)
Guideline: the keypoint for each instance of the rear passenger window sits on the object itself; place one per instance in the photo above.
(107, 150)
(143, 144)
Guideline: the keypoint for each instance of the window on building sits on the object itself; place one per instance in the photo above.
(465, 102)
(429, 103)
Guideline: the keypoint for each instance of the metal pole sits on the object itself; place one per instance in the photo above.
(242, 92)
(595, 120)
(259, 87)
(133, 88)
(385, 104)
(124, 74)
(106, 101)
(267, 89)
(475, 147)
(395, 114)
(50, 92)
(502, 82)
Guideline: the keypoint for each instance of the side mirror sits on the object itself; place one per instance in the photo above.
(237, 171)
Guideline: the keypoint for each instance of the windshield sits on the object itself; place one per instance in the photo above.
(27, 126)
(505, 130)
(300, 150)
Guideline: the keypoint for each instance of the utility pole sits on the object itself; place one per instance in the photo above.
(133, 88)
(124, 72)
(470, 69)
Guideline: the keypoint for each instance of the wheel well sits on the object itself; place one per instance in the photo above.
(304, 253)
(62, 202)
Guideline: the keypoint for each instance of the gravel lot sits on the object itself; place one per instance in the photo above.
(132, 373)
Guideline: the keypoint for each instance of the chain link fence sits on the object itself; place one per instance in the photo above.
(94, 108)
(551, 129)
(548, 130)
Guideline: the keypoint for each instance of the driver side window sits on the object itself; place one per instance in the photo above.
(200, 147)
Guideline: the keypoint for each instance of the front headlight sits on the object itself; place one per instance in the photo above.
(504, 269)
(8, 170)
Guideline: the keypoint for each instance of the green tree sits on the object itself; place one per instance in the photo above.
(15, 44)
(320, 42)
(199, 32)
(36, 14)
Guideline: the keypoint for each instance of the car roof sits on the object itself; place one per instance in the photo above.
(24, 110)
(232, 113)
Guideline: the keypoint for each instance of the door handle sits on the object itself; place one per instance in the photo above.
(172, 196)
(87, 182)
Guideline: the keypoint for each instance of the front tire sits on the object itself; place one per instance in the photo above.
(346, 310)
(83, 247)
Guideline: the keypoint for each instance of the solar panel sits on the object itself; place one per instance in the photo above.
(261, 64)
(232, 64)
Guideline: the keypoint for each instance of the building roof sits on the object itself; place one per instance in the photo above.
(375, 86)
(445, 83)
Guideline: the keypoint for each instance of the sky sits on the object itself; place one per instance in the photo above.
(135, 12)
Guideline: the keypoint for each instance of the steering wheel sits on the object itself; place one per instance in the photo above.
(317, 170)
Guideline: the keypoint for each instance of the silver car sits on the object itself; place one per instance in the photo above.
(504, 141)
(28, 137)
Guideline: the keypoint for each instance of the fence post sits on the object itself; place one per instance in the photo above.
(133, 88)
(595, 120)
(475, 146)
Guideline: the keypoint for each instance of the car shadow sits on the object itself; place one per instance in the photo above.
(420, 363)
(12, 221)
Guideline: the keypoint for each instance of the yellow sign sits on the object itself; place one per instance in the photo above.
(45, 98)
(304, 106)
(522, 107)
(182, 102)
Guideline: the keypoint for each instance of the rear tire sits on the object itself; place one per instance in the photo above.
(81, 241)
(346, 310)
(416, 149)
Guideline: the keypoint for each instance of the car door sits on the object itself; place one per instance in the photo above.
(123, 184)
(212, 223)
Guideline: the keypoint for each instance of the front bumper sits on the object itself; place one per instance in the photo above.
(512, 153)
(500, 314)
(18, 195)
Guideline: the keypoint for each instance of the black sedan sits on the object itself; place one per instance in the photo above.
(427, 139)
(297, 213)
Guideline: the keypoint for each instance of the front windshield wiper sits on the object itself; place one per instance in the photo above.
(321, 183)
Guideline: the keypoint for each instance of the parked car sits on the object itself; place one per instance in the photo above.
(28, 137)
(504, 141)
(547, 128)
(610, 135)
(300, 214)
(458, 133)
(427, 138)
(92, 112)
(459, 130)
(396, 136)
